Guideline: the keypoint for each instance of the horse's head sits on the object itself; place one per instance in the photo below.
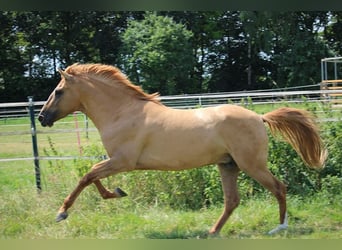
(63, 100)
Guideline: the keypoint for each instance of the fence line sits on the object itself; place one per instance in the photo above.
(52, 158)
(181, 101)
(173, 101)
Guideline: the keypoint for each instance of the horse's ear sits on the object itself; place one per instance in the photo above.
(65, 75)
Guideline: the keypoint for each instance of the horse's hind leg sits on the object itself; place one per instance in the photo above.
(229, 174)
(277, 188)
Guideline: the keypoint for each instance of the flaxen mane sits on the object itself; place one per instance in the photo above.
(113, 74)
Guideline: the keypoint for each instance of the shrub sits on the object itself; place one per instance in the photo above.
(331, 186)
(190, 189)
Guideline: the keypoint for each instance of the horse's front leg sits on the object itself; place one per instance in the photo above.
(98, 171)
(106, 194)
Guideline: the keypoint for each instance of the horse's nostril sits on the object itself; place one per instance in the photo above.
(40, 118)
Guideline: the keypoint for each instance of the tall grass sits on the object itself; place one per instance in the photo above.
(27, 215)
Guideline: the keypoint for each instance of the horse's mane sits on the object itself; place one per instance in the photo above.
(113, 74)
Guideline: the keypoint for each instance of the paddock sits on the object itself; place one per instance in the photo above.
(16, 144)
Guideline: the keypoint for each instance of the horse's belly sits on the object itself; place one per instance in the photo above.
(171, 155)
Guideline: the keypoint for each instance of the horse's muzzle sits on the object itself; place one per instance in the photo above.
(45, 119)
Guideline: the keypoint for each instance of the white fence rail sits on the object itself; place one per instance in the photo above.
(17, 109)
(206, 100)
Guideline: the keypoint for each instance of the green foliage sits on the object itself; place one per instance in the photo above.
(50, 152)
(95, 154)
(333, 32)
(287, 166)
(190, 189)
(173, 52)
(333, 138)
(157, 53)
(331, 187)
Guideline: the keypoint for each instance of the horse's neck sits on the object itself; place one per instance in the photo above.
(105, 104)
(106, 108)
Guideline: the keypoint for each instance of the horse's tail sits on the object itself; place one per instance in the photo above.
(299, 129)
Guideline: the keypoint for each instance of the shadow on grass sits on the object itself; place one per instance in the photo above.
(291, 233)
(177, 234)
(284, 234)
(302, 231)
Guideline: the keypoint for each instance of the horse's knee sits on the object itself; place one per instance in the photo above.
(86, 180)
(232, 203)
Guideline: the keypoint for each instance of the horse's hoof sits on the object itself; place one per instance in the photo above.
(119, 192)
(279, 228)
(213, 232)
(61, 216)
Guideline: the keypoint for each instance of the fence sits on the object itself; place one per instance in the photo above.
(19, 136)
(335, 98)
(331, 75)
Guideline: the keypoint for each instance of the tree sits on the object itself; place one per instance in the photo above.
(284, 48)
(298, 48)
(108, 27)
(228, 55)
(11, 60)
(157, 54)
(205, 29)
(171, 52)
(333, 32)
(219, 50)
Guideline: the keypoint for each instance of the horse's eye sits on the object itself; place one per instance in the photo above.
(58, 92)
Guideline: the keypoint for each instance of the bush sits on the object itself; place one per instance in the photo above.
(331, 186)
(189, 189)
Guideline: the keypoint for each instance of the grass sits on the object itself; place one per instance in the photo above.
(250, 221)
(16, 141)
(27, 215)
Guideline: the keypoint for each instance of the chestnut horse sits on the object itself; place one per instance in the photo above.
(140, 133)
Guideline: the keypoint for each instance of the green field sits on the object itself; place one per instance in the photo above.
(146, 213)
(27, 215)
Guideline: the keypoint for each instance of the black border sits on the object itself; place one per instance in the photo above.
(132, 5)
